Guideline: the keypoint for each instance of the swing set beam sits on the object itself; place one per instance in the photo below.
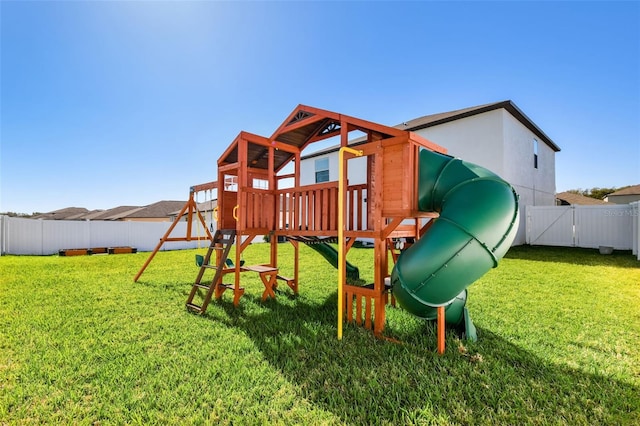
(190, 208)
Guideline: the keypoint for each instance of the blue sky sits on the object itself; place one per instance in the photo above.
(128, 103)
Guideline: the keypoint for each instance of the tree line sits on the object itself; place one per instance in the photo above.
(15, 214)
(597, 192)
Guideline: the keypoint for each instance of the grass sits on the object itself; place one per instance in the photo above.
(559, 331)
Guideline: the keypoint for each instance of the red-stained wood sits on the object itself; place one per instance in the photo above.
(317, 210)
(304, 201)
(312, 210)
(364, 125)
(286, 126)
(426, 143)
(325, 209)
(204, 186)
(230, 148)
(367, 313)
(333, 208)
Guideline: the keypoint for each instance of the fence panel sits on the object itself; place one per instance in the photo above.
(110, 234)
(550, 226)
(617, 226)
(146, 235)
(583, 226)
(44, 237)
(635, 219)
(604, 226)
(3, 233)
(23, 236)
(64, 234)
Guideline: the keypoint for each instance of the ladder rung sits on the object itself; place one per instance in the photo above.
(230, 286)
(225, 241)
(202, 286)
(194, 307)
(210, 266)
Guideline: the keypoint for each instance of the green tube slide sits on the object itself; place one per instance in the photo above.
(331, 255)
(477, 224)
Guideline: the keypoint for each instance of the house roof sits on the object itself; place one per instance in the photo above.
(204, 207)
(446, 117)
(630, 190)
(116, 213)
(63, 214)
(160, 209)
(578, 199)
(86, 216)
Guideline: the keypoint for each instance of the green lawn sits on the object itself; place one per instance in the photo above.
(559, 339)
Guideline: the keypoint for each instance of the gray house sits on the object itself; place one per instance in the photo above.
(624, 196)
(497, 136)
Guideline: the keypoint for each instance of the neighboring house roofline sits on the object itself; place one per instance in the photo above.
(630, 190)
(446, 117)
(161, 209)
(570, 198)
(116, 213)
(203, 207)
(63, 214)
(122, 214)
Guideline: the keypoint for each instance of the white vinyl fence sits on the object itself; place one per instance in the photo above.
(43, 237)
(616, 225)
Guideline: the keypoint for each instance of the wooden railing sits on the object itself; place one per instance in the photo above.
(314, 208)
(365, 312)
(356, 207)
(259, 211)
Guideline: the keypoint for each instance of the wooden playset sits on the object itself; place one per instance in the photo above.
(460, 217)
(252, 203)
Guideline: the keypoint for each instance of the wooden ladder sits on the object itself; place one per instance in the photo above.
(222, 241)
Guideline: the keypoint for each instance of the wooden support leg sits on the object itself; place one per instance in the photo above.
(219, 290)
(269, 281)
(441, 325)
(380, 303)
(381, 265)
(237, 294)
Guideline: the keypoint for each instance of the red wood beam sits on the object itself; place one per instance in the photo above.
(204, 186)
(427, 143)
(365, 125)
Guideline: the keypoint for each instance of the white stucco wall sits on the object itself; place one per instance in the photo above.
(519, 167)
(536, 186)
(477, 139)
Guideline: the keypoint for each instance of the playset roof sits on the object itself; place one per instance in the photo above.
(303, 126)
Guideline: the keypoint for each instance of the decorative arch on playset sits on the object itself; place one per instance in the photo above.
(462, 217)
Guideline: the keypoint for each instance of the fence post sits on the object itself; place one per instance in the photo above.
(3, 233)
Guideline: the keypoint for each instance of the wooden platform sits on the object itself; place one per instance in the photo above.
(268, 275)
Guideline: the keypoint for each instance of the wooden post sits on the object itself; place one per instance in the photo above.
(189, 206)
(441, 326)
(380, 253)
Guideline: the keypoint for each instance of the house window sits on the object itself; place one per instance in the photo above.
(322, 170)
(535, 153)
